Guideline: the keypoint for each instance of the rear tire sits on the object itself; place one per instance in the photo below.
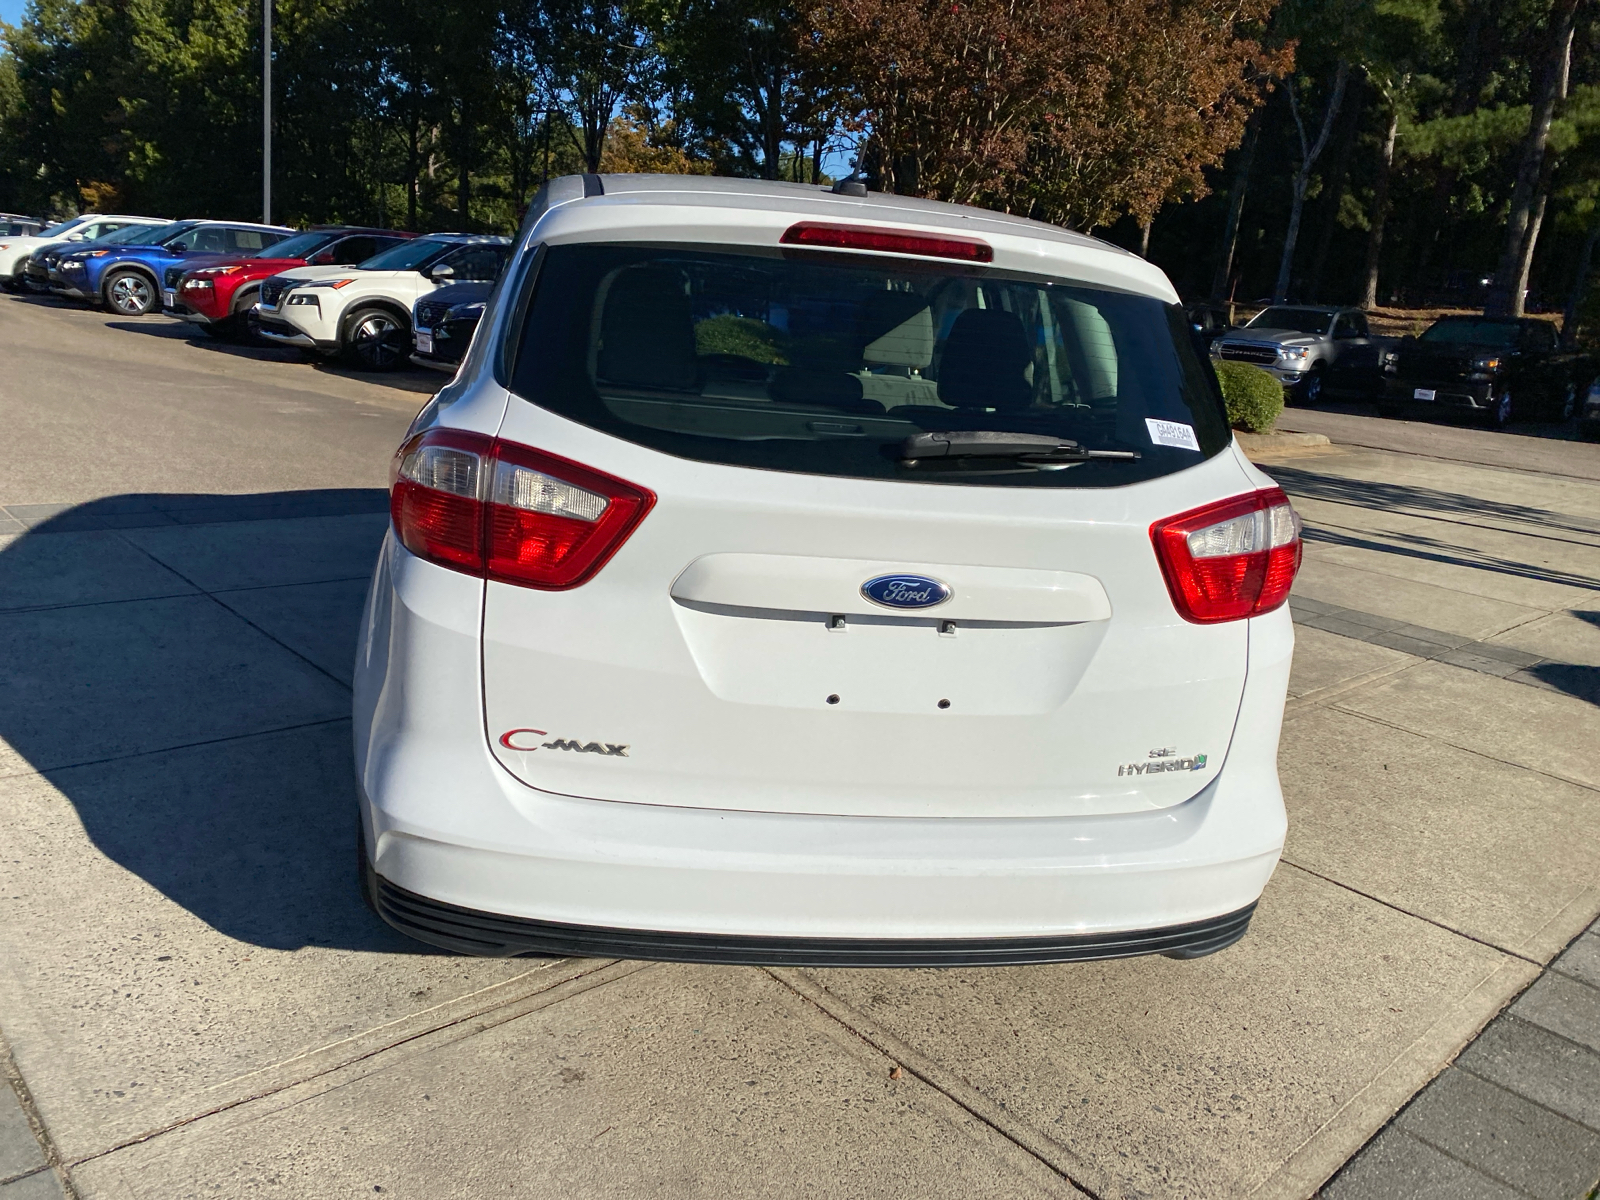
(130, 293)
(376, 340)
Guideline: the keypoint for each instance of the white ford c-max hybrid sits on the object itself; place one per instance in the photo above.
(800, 577)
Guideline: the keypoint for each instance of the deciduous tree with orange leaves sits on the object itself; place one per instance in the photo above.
(1072, 111)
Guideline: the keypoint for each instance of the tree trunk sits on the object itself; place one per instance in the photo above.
(1302, 179)
(1354, 103)
(1241, 182)
(1380, 207)
(1505, 298)
(413, 168)
(1519, 292)
(1144, 237)
(1580, 288)
(464, 172)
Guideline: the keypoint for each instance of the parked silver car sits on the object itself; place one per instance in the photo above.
(1307, 348)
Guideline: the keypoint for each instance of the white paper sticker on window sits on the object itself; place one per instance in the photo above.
(1172, 433)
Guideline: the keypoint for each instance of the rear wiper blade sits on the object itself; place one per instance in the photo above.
(991, 443)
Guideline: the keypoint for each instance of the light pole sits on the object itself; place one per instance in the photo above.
(266, 112)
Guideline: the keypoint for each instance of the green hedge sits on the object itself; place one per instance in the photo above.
(1254, 397)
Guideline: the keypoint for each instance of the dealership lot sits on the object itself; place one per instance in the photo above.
(194, 1001)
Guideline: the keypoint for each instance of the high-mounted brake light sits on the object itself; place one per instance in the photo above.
(1229, 560)
(886, 241)
(507, 512)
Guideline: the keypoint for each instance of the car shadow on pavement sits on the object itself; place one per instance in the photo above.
(177, 667)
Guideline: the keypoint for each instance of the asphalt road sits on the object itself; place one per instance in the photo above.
(193, 1000)
(100, 405)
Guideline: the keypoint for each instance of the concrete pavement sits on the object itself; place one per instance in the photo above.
(194, 1001)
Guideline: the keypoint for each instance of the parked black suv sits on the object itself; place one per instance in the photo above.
(1505, 368)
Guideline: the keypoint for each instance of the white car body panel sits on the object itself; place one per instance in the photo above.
(18, 248)
(729, 711)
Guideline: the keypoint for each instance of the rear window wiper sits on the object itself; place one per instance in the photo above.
(989, 443)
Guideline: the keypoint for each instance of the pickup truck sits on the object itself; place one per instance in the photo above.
(1308, 348)
(1503, 369)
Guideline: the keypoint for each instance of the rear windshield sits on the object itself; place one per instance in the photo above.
(826, 363)
(303, 245)
(407, 256)
(1301, 320)
(1492, 335)
(128, 235)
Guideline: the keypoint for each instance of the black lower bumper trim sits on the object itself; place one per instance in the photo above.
(466, 931)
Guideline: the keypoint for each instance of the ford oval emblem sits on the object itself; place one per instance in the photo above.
(905, 591)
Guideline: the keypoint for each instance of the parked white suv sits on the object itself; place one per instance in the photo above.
(799, 577)
(364, 312)
(14, 251)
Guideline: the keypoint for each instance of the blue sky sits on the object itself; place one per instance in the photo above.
(11, 10)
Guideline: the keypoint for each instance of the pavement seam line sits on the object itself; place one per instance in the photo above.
(1470, 462)
(36, 1125)
(1387, 575)
(36, 608)
(267, 587)
(1390, 904)
(1033, 1142)
(573, 985)
(1416, 516)
(1299, 1175)
(230, 737)
(1319, 697)
(479, 1002)
(212, 596)
(1483, 754)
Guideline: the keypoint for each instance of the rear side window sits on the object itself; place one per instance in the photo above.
(826, 363)
(210, 240)
(479, 262)
(353, 250)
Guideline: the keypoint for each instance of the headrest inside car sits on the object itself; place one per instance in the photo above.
(985, 361)
(899, 327)
(647, 331)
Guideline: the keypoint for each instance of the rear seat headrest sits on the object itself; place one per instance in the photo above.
(985, 361)
(647, 331)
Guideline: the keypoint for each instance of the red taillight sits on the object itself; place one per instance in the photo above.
(1229, 560)
(887, 241)
(508, 512)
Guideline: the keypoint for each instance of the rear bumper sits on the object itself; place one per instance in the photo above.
(465, 851)
(494, 936)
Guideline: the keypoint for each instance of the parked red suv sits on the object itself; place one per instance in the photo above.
(219, 295)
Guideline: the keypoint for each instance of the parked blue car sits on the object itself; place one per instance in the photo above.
(127, 279)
